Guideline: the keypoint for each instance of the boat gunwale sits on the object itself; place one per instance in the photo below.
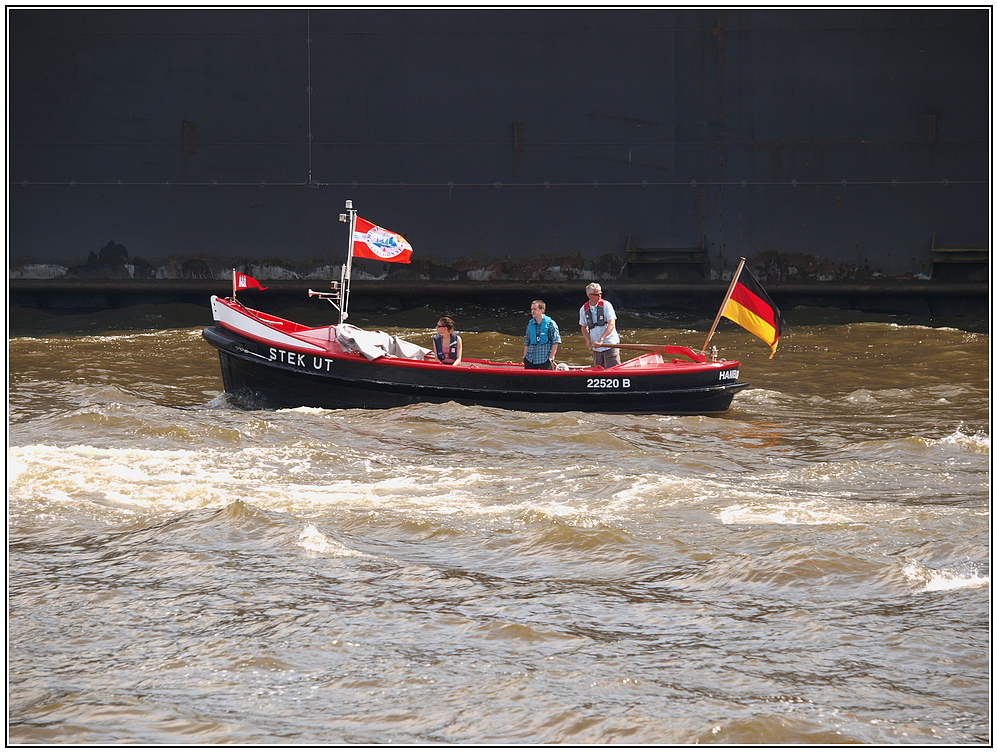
(484, 366)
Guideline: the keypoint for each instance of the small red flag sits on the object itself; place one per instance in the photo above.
(373, 242)
(242, 282)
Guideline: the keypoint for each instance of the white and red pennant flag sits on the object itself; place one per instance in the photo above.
(373, 242)
(243, 282)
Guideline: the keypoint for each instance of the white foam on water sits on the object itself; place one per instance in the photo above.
(781, 513)
(313, 540)
(40, 475)
(316, 476)
(979, 442)
(287, 479)
(929, 579)
(306, 411)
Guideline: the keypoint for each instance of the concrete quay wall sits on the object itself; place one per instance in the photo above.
(916, 297)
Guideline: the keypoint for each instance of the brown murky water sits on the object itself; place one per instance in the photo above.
(812, 567)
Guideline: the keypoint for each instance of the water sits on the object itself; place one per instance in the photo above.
(813, 567)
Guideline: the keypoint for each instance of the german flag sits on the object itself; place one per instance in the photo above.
(749, 306)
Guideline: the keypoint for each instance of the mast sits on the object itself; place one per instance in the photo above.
(340, 295)
(720, 311)
(350, 217)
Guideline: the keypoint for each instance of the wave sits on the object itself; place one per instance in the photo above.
(978, 442)
(312, 540)
(929, 579)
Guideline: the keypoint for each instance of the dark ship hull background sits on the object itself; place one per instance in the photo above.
(826, 144)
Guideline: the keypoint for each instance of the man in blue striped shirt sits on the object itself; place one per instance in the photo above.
(542, 339)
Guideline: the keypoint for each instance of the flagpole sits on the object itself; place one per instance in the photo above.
(351, 218)
(720, 311)
(233, 283)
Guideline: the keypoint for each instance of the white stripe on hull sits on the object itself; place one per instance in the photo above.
(250, 327)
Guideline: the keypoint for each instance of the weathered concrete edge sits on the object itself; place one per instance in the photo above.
(437, 287)
(919, 297)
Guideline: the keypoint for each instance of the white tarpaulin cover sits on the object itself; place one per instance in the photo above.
(377, 344)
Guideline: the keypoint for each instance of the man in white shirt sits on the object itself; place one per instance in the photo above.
(598, 322)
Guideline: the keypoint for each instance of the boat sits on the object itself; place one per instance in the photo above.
(273, 362)
(270, 362)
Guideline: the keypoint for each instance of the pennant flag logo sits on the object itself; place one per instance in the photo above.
(373, 242)
(243, 282)
(749, 306)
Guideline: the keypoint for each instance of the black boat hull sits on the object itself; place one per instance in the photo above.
(250, 368)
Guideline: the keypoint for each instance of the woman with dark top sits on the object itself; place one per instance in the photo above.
(447, 343)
